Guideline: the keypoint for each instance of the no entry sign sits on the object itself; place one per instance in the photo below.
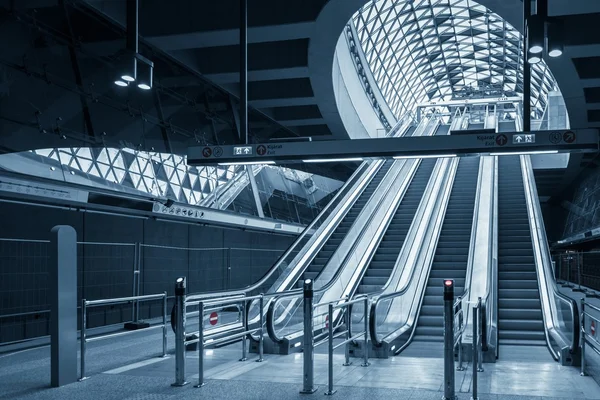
(213, 318)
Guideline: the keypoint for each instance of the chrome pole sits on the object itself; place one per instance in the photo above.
(83, 338)
(460, 347)
(449, 390)
(309, 350)
(347, 321)
(180, 332)
(262, 329)
(475, 352)
(244, 328)
(582, 338)
(479, 335)
(164, 325)
(330, 390)
(201, 346)
(366, 338)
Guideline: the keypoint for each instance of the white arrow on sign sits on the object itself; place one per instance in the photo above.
(519, 139)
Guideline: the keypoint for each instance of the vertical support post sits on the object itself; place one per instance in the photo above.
(449, 388)
(460, 346)
(245, 328)
(164, 324)
(479, 335)
(475, 350)
(347, 322)
(366, 338)
(255, 194)
(63, 306)
(134, 293)
(578, 288)
(309, 350)
(201, 347)
(244, 70)
(526, 69)
(83, 339)
(330, 390)
(582, 338)
(180, 332)
(138, 279)
(261, 304)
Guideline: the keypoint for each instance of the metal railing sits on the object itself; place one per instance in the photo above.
(579, 271)
(586, 337)
(85, 304)
(348, 334)
(211, 338)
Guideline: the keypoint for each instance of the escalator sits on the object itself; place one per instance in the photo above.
(384, 259)
(520, 318)
(452, 252)
(330, 246)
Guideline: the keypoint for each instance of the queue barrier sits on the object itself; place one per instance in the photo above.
(588, 338)
(85, 304)
(206, 305)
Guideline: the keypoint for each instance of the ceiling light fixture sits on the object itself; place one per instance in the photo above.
(146, 72)
(554, 40)
(121, 83)
(248, 163)
(535, 34)
(425, 156)
(324, 160)
(534, 59)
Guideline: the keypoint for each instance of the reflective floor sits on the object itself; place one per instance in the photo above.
(130, 369)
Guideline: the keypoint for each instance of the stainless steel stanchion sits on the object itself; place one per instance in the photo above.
(309, 350)
(449, 390)
(330, 390)
(347, 321)
(261, 304)
(165, 325)
(582, 338)
(201, 346)
(479, 335)
(366, 338)
(460, 366)
(83, 338)
(244, 328)
(475, 350)
(180, 332)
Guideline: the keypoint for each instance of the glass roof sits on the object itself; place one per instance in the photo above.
(437, 50)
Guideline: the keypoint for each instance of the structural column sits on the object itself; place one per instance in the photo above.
(526, 69)
(244, 70)
(63, 305)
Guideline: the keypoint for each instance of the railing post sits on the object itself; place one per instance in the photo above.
(578, 289)
(330, 390)
(201, 346)
(164, 325)
(582, 338)
(83, 338)
(480, 334)
(366, 338)
(309, 350)
(244, 328)
(180, 332)
(475, 350)
(348, 321)
(449, 389)
(460, 347)
(262, 329)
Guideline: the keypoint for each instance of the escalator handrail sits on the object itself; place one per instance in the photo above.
(387, 296)
(540, 243)
(297, 293)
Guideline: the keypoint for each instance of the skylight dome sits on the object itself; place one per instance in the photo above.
(437, 50)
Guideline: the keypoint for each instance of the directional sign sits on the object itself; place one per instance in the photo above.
(218, 151)
(242, 150)
(501, 140)
(580, 140)
(524, 138)
(569, 136)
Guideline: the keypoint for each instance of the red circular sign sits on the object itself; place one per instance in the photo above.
(569, 137)
(206, 152)
(213, 318)
(327, 321)
(501, 140)
(261, 150)
(593, 328)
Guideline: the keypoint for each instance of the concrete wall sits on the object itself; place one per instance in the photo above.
(106, 271)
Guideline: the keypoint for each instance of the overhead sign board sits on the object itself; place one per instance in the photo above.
(584, 140)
